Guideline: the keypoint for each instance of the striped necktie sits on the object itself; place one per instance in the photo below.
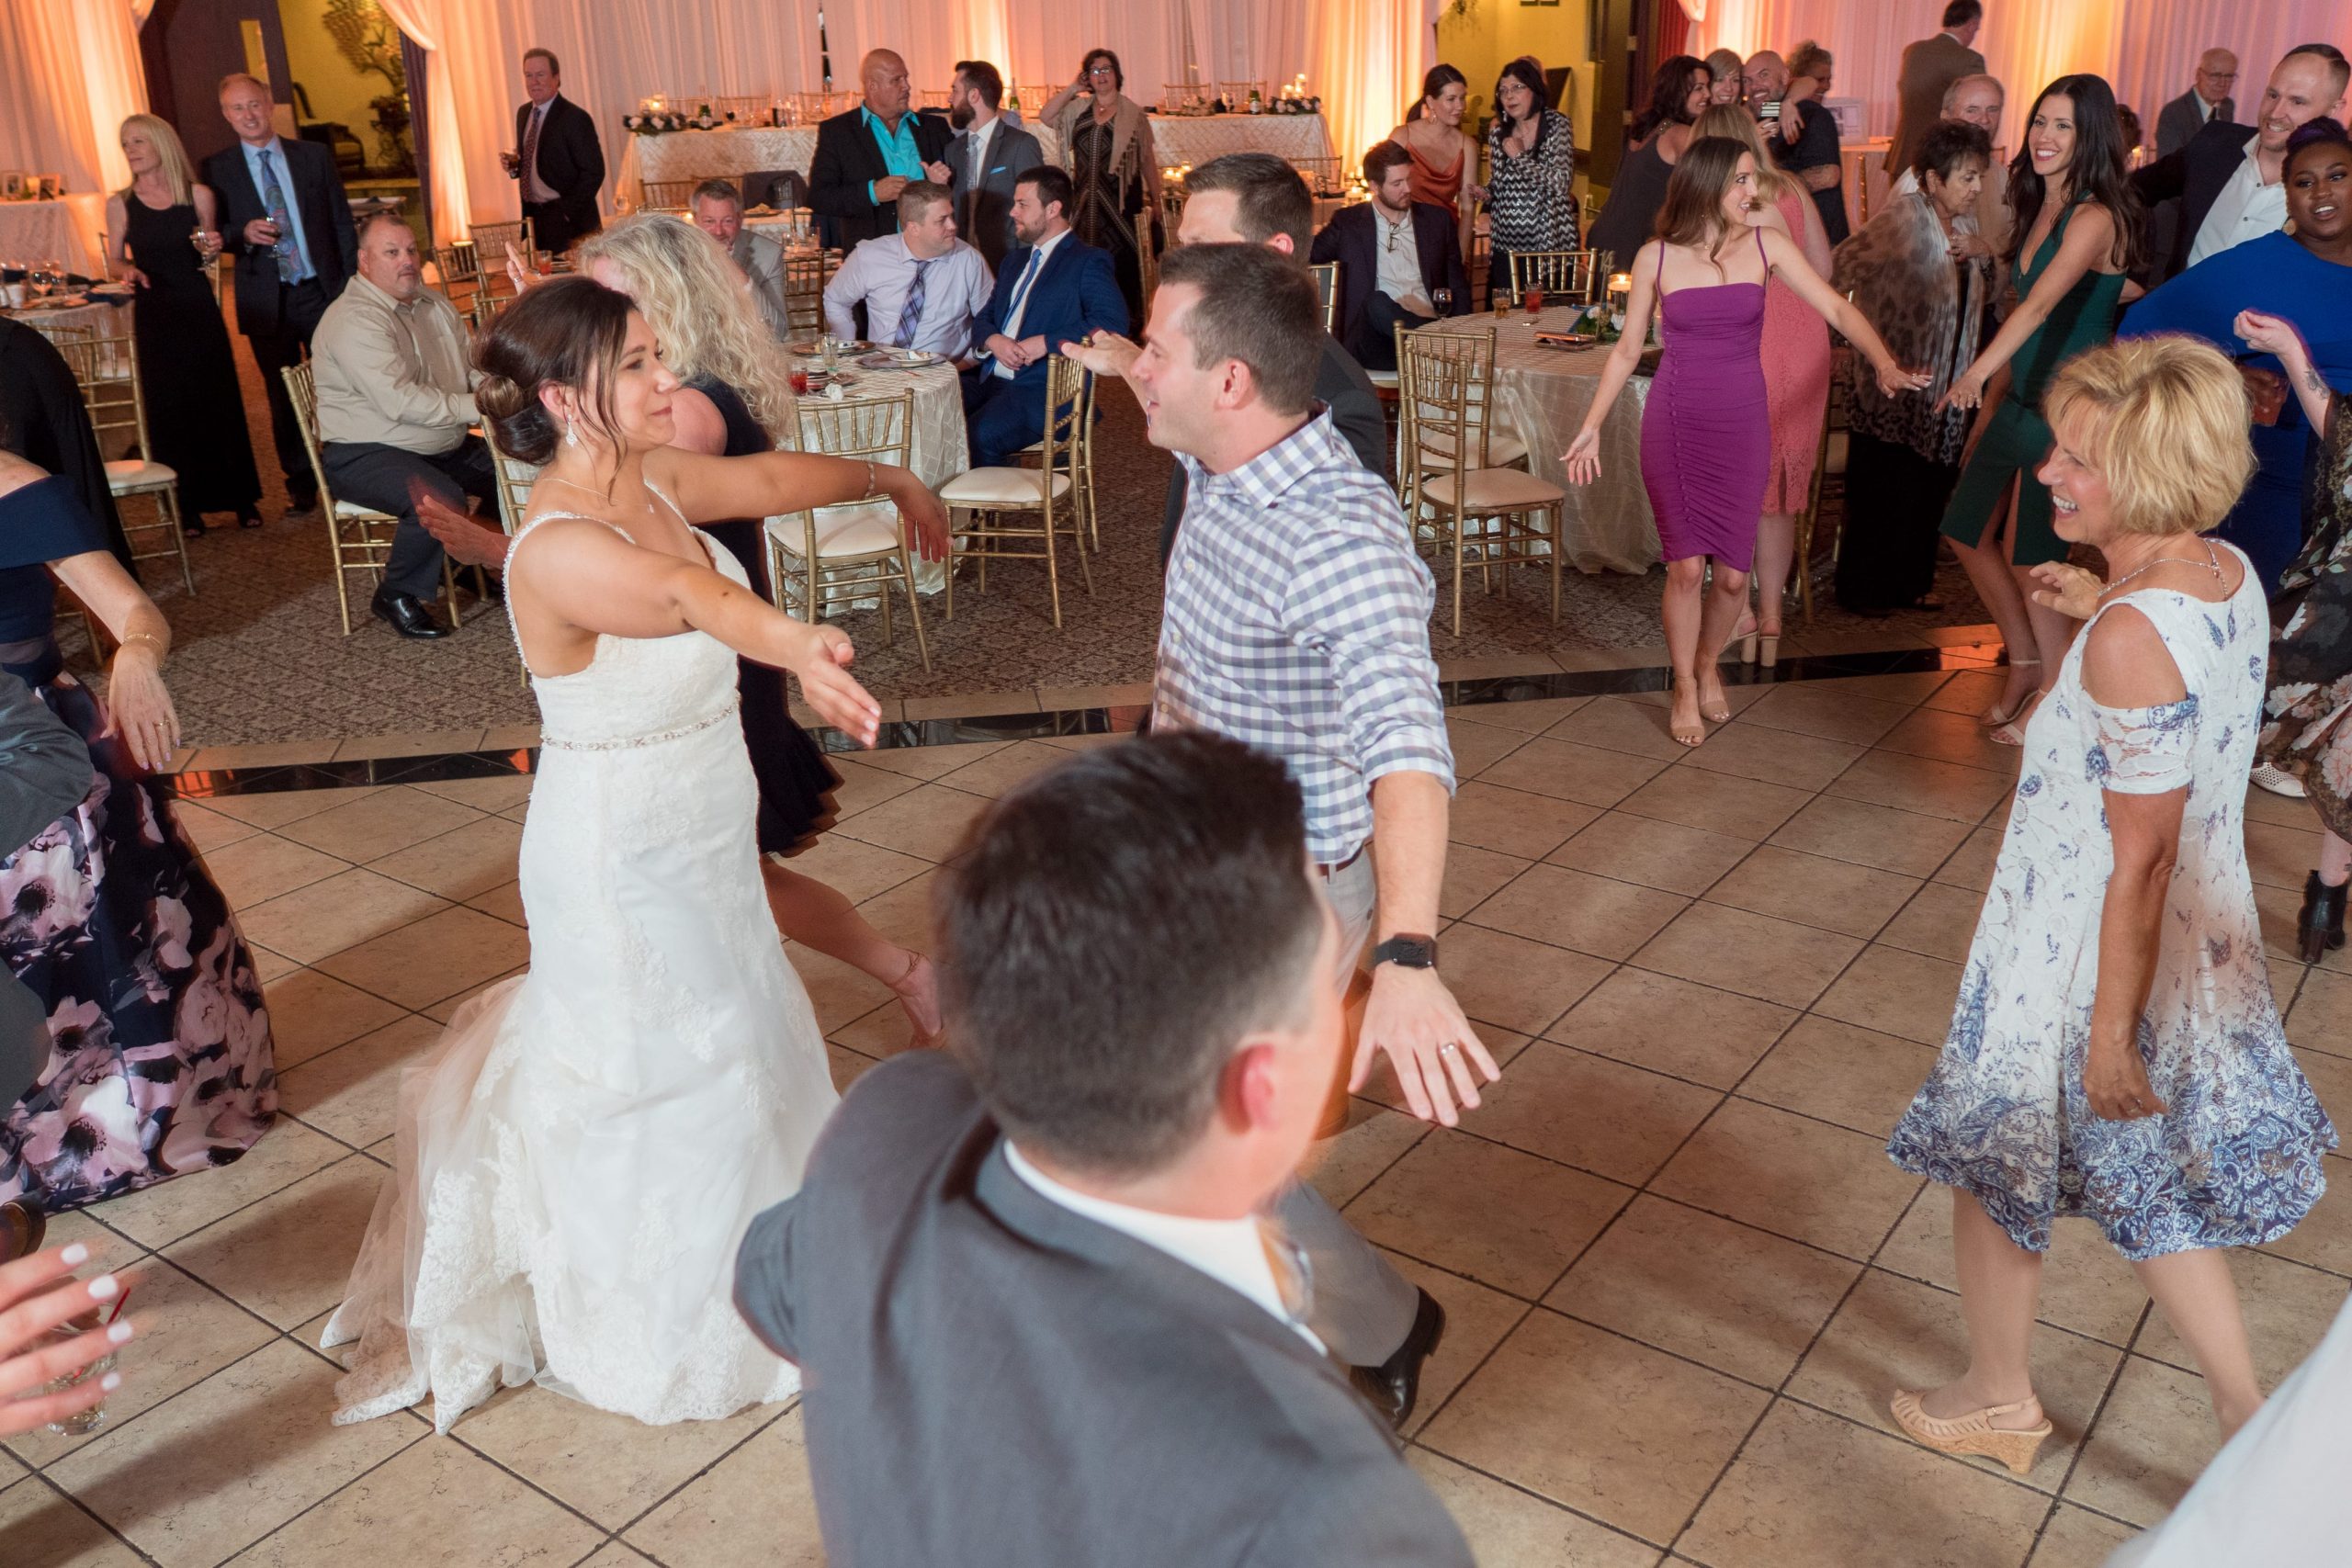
(273, 196)
(911, 316)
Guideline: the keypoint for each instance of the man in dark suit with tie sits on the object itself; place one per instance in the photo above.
(283, 218)
(865, 156)
(990, 152)
(1395, 256)
(560, 161)
(1056, 288)
(1930, 68)
(1039, 1315)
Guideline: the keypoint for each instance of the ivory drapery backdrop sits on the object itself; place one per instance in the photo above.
(1365, 56)
(69, 72)
(2147, 50)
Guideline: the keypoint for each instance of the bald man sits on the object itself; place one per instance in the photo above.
(865, 156)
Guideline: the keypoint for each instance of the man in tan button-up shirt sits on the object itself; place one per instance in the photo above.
(395, 387)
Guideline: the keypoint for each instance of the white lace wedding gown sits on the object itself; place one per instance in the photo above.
(580, 1155)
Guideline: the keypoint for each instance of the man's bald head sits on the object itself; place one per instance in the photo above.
(1767, 76)
(2217, 74)
(884, 76)
(1978, 100)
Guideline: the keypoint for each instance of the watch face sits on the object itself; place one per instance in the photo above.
(1412, 952)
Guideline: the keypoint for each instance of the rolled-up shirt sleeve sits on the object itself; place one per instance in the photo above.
(1367, 607)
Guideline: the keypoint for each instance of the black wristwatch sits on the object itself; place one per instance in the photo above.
(1407, 951)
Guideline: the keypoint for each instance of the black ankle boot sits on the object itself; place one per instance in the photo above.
(2321, 925)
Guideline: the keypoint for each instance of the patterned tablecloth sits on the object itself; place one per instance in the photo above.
(941, 450)
(1181, 139)
(1545, 393)
(104, 320)
(44, 231)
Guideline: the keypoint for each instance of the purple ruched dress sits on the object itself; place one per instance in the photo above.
(1707, 432)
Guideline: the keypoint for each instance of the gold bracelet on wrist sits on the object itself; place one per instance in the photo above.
(148, 638)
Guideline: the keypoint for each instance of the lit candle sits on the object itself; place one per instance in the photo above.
(1621, 283)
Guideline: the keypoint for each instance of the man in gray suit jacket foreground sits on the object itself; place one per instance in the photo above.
(1038, 1314)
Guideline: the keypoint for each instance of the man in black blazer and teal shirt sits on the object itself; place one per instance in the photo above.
(865, 157)
(1395, 256)
(1055, 289)
(989, 154)
(283, 218)
(558, 158)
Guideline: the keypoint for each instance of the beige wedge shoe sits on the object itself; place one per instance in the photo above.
(1974, 1432)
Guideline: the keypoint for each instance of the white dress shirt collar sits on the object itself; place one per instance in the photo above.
(1231, 1252)
(2246, 210)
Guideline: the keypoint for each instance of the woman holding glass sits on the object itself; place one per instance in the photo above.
(163, 232)
(1531, 172)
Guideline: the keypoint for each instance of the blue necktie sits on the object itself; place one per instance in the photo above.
(273, 196)
(1020, 289)
(910, 317)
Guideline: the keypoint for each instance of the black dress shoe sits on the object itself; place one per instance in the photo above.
(299, 501)
(1395, 1385)
(2319, 927)
(408, 614)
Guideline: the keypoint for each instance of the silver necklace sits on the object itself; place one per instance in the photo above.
(2211, 563)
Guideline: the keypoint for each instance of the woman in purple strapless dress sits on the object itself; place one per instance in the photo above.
(1707, 434)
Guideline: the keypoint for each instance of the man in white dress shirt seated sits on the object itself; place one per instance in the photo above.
(920, 287)
(717, 209)
(2230, 177)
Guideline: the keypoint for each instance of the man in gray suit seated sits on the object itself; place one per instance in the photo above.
(990, 153)
(1038, 1312)
(719, 213)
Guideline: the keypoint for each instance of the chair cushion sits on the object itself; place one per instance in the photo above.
(352, 511)
(1504, 450)
(1383, 379)
(999, 487)
(1495, 489)
(126, 476)
(843, 533)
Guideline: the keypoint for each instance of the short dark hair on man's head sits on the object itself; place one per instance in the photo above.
(1949, 145)
(2339, 71)
(1258, 308)
(919, 197)
(1959, 13)
(369, 224)
(984, 77)
(555, 66)
(1113, 929)
(1270, 197)
(717, 188)
(1382, 157)
(1053, 189)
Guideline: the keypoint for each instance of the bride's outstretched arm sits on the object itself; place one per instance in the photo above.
(596, 582)
(767, 483)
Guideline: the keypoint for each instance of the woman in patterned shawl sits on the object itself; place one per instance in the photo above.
(1106, 145)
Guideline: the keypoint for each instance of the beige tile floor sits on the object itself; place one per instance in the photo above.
(1682, 1277)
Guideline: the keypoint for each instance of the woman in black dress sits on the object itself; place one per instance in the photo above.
(163, 231)
(736, 401)
(160, 1060)
(1107, 146)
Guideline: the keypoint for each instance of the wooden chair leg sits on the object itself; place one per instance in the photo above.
(1457, 574)
(1559, 519)
(915, 605)
(1053, 573)
(890, 627)
(951, 566)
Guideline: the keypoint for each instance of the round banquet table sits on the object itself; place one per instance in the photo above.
(44, 231)
(1545, 393)
(940, 449)
(1180, 140)
(99, 316)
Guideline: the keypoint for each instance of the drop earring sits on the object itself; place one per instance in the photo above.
(571, 434)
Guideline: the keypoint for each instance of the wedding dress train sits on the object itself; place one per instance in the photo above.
(580, 1155)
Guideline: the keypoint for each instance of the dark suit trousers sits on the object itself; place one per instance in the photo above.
(551, 229)
(1374, 344)
(1000, 416)
(299, 306)
(378, 477)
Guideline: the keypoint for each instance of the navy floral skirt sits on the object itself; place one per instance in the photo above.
(160, 1059)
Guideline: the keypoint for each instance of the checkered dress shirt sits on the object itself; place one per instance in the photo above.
(1298, 620)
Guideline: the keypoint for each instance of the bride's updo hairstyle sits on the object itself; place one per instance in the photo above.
(568, 332)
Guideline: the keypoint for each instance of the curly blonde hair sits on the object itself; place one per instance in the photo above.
(701, 313)
(2165, 419)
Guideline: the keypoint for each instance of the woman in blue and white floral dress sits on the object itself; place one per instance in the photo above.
(2116, 1053)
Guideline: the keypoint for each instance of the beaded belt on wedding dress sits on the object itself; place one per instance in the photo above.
(700, 725)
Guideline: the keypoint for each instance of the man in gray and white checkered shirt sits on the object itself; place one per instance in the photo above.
(1298, 620)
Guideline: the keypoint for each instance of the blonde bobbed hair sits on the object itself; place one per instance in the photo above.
(1734, 122)
(2165, 420)
(173, 156)
(701, 312)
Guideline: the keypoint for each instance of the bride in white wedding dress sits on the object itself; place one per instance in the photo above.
(579, 1157)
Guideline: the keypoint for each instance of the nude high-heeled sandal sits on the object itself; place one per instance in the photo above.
(1974, 1432)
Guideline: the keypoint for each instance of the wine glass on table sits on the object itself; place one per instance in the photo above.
(1443, 299)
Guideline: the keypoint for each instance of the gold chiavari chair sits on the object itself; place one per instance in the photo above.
(58, 333)
(459, 266)
(1321, 175)
(1326, 290)
(1445, 382)
(486, 308)
(1568, 277)
(1077, 459)
(106, 370)
(490, 240)
(830, 556)
(515, 478)
(358, 538)
(666, 195)
(804, 293)
(987, 497)
(1828, 464)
